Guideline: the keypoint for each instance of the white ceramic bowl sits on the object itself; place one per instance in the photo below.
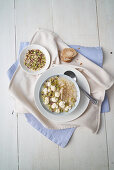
(23, 55)
(77, 97)
(83, 103)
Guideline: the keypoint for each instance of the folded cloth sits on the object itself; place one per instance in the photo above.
(98, 84)
(62, 136)
(94, 54)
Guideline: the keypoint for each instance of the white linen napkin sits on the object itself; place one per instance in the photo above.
(22, 85)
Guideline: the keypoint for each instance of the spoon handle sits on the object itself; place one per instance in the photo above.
(92, 99)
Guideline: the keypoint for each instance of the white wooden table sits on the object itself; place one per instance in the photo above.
(83, 22)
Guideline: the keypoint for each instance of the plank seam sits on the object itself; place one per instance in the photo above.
(17, 142)
(14, 4)
(16, 58)
(106, 141)
(97, 22)
(52, 15)
(104, 113)
(59, 156)
(15, 28)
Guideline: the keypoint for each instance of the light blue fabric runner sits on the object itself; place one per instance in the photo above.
(62, 137)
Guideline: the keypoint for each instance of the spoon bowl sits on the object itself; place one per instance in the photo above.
(71, 74)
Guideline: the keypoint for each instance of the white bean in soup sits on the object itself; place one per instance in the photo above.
(58, 94)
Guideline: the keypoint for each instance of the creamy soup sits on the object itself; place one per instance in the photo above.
(58, 94)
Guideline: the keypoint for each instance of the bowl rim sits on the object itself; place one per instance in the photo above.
(77, 90)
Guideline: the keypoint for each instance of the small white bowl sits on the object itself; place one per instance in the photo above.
(23, 55)
(77, 96)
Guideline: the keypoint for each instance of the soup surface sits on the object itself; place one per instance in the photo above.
(58, 94)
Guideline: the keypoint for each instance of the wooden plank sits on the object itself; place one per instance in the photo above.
(85, 151)
(31, 15)
(106, 32)
(8, 122)
(76, 22)
(106, 25)
(35, 150)
(110, 132)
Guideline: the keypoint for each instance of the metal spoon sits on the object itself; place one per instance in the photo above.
(72, 75)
